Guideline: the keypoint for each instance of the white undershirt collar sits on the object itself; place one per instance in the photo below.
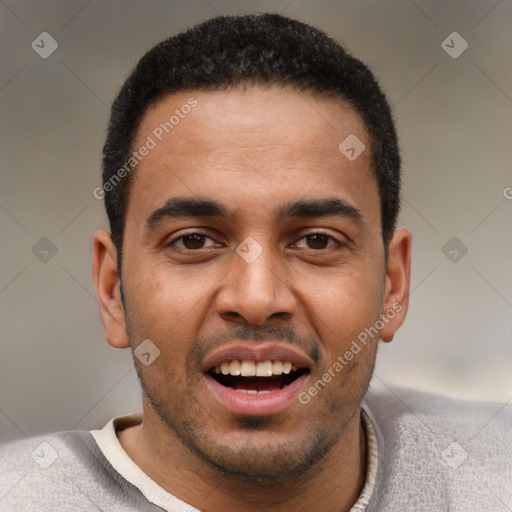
(111, 448)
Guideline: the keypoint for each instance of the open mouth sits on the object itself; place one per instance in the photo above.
(256, 378)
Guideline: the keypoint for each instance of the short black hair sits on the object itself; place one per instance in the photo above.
(259, 49)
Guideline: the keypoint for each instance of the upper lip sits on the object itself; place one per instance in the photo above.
(257, 351)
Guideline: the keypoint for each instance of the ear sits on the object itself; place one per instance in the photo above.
(107, 283)
(398, 280)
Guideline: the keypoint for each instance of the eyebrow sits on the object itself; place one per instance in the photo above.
(196, 207)
(331, 207)
(187, 207)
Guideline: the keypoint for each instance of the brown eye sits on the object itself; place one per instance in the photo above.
(193, 241)
(317, 241)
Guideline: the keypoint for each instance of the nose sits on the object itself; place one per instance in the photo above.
(255, 292)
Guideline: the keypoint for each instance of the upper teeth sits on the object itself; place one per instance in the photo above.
(253, 369)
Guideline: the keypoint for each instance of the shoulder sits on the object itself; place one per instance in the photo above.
(395, 405)
(62, 471)
(42, 452)
(445, 450)
(37, 470)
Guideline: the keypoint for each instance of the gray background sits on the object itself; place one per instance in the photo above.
(454, 120)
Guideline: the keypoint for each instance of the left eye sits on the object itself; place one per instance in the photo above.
(317, 241)
(192, 241)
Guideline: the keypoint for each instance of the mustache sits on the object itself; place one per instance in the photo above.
(275, 333)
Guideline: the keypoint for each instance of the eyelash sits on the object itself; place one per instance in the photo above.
(338, 243)
(195, 232)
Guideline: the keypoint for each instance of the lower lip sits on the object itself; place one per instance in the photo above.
(255, 405)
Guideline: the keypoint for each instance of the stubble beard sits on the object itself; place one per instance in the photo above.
(190, 424)
(254, 461)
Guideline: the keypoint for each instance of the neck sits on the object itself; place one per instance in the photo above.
(332, 485)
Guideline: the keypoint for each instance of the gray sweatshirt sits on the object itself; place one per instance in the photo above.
(429, 453)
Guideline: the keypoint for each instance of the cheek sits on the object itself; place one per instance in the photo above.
(342, 306)
(165, 310)
(162, 297)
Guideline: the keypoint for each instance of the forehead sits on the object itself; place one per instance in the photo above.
(250, 143)
(249, 111)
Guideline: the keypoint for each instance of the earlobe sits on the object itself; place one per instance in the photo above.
(396, 295)
(107, 284)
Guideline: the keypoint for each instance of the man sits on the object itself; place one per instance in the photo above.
(251, 177)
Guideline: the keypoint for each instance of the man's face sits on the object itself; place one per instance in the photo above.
(288, 267)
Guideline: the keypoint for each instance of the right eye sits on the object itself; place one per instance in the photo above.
(192, 241)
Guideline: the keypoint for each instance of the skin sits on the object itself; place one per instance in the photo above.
(253, 150)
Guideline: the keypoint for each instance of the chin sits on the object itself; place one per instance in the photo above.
(256, 458)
